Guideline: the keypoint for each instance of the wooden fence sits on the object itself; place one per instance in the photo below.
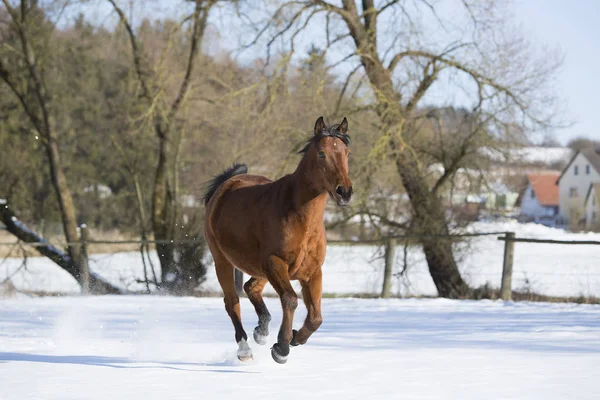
(389, 244)
(509, 253)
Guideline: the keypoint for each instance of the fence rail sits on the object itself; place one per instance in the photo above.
(549, 241)
(91, 241)
(389, 244)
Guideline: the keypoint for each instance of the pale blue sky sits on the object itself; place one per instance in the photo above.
(574, 27)
(570, 26)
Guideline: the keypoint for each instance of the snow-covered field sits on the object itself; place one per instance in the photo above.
(549, 269)
(142, 347)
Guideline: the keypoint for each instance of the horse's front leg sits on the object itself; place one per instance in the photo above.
(311, 293)
(277, 272)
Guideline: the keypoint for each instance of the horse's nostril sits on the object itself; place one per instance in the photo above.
(340, 190)
(350, 191)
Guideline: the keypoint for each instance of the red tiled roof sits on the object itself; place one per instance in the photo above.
(545, 188)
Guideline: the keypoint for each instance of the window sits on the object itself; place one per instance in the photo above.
(587, 169)
(573, 191)
(576, 170)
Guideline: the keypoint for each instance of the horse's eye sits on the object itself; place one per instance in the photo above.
(321, 154)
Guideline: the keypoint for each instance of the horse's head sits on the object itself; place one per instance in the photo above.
(328, 154)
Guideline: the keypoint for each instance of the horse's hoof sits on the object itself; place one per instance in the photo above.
(260, 338)
(245, 357)
(280, 353)
(294, 342)
(244, 352)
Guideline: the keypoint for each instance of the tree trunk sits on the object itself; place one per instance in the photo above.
(65, 261)
(429, 214)
(160, 213)
(65, 200)
(174, 275)
(429, 219)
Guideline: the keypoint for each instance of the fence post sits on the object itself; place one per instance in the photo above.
(84, 268)
(390, 253)
(238, 279)
(507, 266)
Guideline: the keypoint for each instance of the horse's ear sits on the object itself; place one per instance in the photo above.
(319, 126)
(344, 126)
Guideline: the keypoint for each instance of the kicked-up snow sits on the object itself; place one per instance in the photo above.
(141, 347)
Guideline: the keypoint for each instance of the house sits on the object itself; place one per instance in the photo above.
(500, 197)
(591, 207)
(574, 183)
(539, 200)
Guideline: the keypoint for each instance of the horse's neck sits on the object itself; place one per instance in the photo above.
(308, 201)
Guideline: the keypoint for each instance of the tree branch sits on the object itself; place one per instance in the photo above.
(197, 35)
(424, 85)
(4, 74)
(137, 56)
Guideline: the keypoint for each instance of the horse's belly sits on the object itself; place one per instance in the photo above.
(245, 259)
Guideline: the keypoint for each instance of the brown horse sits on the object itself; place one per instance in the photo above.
(274, 232)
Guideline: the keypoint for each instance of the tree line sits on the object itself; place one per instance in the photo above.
(119, 127)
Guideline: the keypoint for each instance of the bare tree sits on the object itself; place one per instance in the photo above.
(25, 59)
(409, 50)
(163, 111)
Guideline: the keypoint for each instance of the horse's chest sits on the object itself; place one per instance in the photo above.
(305, 253)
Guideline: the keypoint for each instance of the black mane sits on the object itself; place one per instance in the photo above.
(213, 185)
(332, 131)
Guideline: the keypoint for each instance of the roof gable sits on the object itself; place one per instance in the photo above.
(592, 155)
(545, 188)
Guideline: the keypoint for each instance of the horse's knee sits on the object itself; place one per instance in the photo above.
(314, 322)
(248, 287)
(230, 304)
(289, 301)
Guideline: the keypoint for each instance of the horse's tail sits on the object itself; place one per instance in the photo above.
(213, 185)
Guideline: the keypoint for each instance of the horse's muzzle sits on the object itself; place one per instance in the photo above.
(344, 195)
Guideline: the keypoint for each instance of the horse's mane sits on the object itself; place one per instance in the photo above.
(213, 185)
(332, 131)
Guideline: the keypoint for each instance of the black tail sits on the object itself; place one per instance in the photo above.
(213, 185)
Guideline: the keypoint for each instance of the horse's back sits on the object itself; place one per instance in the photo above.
(233, 218)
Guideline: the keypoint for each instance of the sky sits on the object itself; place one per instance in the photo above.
(571, 27)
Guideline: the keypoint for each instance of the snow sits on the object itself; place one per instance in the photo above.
(129, 347)
(531, 155)
(548, 269)
(545, 155)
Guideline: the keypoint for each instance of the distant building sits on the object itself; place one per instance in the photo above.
(574, 183)
(500, 197)
(539, 201)
(591, 207)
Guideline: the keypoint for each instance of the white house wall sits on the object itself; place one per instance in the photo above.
(531, 206)
(589, 211)
(581, 182)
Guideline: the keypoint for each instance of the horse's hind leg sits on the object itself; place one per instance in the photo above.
(225, 275)
(253, 289)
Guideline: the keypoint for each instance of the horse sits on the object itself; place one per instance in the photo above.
(274, 232)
